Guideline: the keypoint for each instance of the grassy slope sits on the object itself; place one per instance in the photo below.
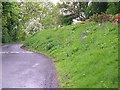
(86, 63)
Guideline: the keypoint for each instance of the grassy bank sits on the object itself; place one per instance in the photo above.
(85, 55)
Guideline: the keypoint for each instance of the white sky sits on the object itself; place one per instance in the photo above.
(54, 1)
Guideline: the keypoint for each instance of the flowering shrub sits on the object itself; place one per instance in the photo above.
(116, 21)
(118, 17)
(102, 18)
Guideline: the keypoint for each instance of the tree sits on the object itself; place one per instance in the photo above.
(29, 11)
(71, 10)
(113, 8)
(10, 21)
(52, 16)
(96, 7)
(38, 15)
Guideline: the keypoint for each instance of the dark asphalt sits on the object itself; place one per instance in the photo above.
(24, 69)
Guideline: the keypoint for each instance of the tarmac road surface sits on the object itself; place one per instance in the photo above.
(25, 69)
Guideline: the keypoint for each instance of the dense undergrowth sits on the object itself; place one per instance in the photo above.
(85, 55)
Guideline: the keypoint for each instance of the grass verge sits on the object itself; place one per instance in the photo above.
(85, 55)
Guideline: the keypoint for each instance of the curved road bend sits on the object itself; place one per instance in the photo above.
(24, 69)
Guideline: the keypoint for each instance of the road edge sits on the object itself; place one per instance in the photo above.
(52, 60)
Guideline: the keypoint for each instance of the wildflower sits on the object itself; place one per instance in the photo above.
(101, 26)
(118, 17)
(115, 22)
(87, 31)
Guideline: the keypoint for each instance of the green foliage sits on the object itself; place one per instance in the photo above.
(96, 7)
(44, 14)
(5, 36)
(113, 8)
(0, 9)
(103, 7)
(52, 18)
(34, 16)
(75, 9)
(90, 62)
(67, 20)
(10, 22)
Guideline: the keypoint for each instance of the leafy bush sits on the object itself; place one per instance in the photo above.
(113, 8)
(10, 22)
(102, 18)
(67, 20)
(5, 36)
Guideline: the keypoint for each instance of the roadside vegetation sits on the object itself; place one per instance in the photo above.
(19, 20)
(81, 37)
(85, 55)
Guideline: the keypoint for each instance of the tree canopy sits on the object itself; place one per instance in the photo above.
(10, 22)
(20, 19)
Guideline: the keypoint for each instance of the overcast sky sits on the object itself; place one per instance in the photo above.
(54, 1)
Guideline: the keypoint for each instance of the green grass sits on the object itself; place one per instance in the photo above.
(81, 63)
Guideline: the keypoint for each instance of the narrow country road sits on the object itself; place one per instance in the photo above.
(25, 69)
